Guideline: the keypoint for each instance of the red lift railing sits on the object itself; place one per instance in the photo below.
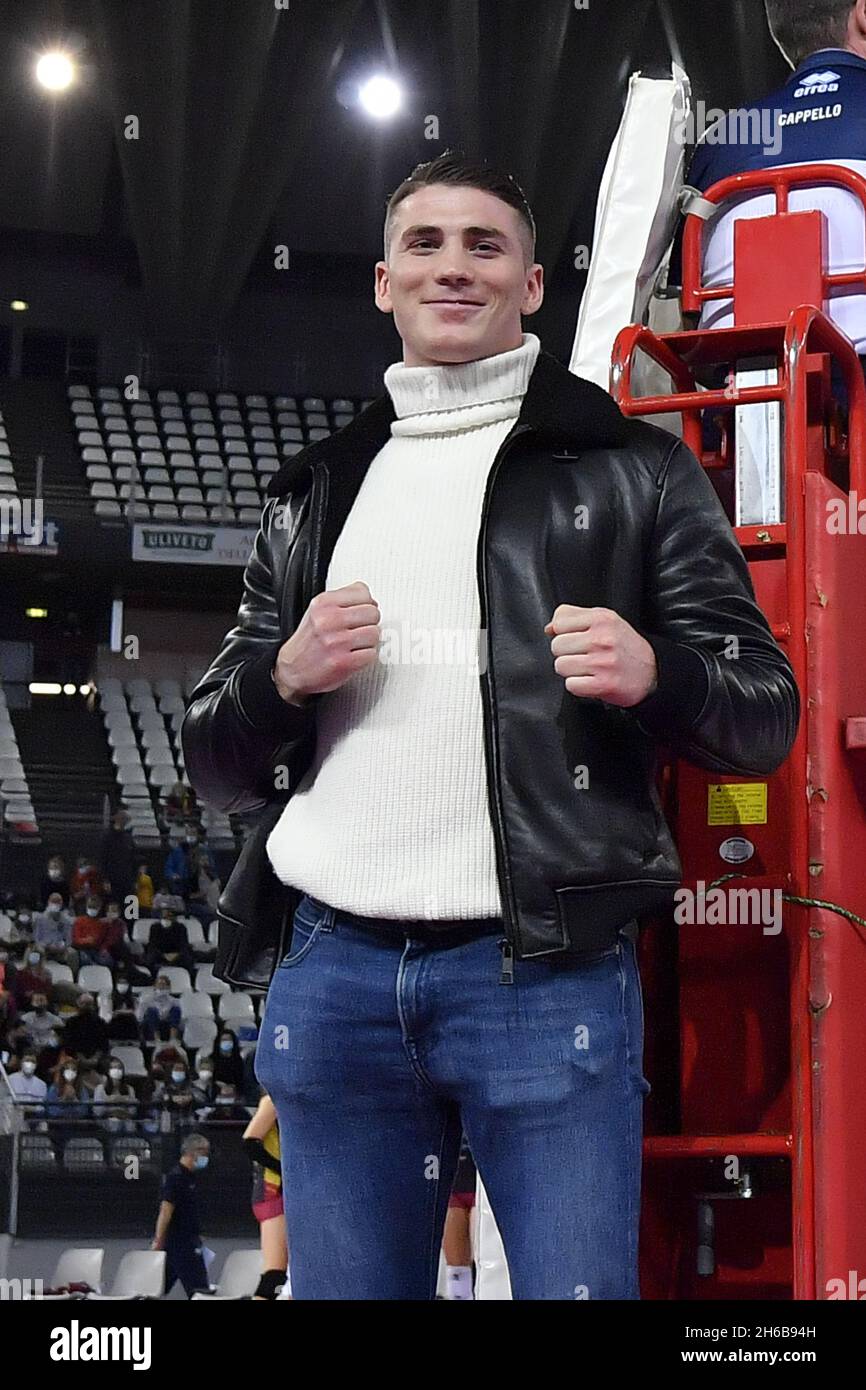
(780, 290)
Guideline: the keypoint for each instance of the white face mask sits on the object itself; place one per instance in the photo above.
(93, 912)
(122, 986)
(28, 1068)
(116, 1073)
(69, 1073)
(55, 873)
(33, 958)
(24, 918)
(178, 1076)
(205, 1076)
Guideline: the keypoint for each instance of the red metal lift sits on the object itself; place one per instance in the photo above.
(755, 1179)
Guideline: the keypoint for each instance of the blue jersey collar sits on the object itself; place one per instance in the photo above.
(828, 58)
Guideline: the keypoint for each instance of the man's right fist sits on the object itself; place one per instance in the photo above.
(337, 636)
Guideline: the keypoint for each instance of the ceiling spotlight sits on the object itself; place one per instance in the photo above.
(84, 690)
(44, 688)
(380, 97)
(55, 71)
(69, 689)
(19, 305)
(34, 612)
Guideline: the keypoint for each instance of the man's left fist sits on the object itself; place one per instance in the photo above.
(601, 656)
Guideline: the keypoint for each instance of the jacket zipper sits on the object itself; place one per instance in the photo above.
(494, 789)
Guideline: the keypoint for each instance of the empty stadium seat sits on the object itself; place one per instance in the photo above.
(79, 1266)
(83, 1153)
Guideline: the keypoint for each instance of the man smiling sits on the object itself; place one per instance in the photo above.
(462, 849)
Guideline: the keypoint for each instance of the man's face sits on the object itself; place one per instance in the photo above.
(448, 244)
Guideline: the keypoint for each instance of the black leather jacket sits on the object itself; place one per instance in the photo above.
(574, 862)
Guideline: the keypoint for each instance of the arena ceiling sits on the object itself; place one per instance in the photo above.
(248, 137)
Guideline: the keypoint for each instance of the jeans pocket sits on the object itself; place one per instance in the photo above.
(306, 928)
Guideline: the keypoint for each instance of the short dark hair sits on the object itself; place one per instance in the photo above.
(801, 27)
(454, 168)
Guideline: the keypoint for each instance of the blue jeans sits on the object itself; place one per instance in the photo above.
(376, 1046)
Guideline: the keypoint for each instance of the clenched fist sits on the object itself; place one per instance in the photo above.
(337, 636)
(601, 656)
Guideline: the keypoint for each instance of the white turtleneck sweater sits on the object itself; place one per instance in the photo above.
(391, 819)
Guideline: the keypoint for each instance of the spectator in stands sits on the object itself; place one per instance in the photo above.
(8, 1011)
(179, 1098)
(179, 803)
(228, 1105)
(15, 932)
(177, 1228)
(86, 879)
(203, 1086)
(88, 934)
(144, 889)
(86, 1037)
(228, 1062)
(203, 886)
(165, 898)
(123, 1024)
(24, 1084)
(53, 932)
(7, 965)
(24, 924)
(115, 939)
(115, 1101)
(168, 943)
(118, 857)
(38, 1028)
(68, 1097)
(158, 1012)
(167, 1053)
(182, 864)
(32, 977)
(55, 880)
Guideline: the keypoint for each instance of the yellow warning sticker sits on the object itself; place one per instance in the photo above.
(737, 803)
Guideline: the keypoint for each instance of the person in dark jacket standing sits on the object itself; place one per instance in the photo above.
(177, 1223)
(119, 859)
(468, 620)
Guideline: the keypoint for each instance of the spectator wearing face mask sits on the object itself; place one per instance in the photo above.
(123, 1025)
(203, 1084)
(89, 933)
(86, 879)
(52, 931)
(227, 1105)
(32, 977)
(25, 1085)
(68, 1098)
(114, 1100)
(179, 1099)
(228, 1062)
(158, 1011)
(168, 943)
(144, 889)
(177, 1224)
(38, 1028)
(55, 880)
(86, 1035)
(23, 925)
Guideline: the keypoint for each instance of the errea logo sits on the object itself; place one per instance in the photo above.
(817, 83)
